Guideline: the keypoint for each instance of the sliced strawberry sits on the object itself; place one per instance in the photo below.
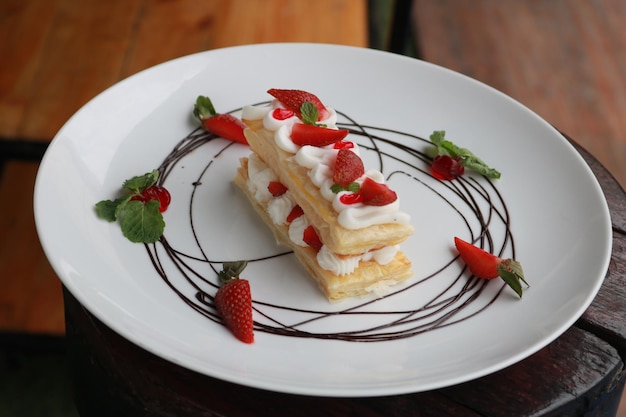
(295, 212)
(311, 238)
(376, 194)
(348, 168)
(225, 126)
(233, 302)
(276, 188)
(294, 99)
(480, 262)
(304, 134)
(488, 266)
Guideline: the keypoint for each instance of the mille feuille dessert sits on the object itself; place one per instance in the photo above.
(310, 187)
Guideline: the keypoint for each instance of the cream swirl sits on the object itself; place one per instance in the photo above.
(279, 208)
(345, 265)
(320, 163)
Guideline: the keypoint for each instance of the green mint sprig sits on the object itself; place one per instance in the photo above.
(468, 159)
(353, 187)
(141, 222)
(309, 114)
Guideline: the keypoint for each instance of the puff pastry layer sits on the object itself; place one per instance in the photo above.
(319, 211)
(368, 277)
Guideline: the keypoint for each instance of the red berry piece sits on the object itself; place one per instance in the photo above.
(294, 99)
(445, 167)
(155, 192)
(225, 126)
(304, 134)
(348, 168)
(350, 198)
(311, 238)
(282, 114)
(488, 266)
(376, 194)
(343, 144)
(276, 188)
(295, 212)
(480, 262)
(233, 302)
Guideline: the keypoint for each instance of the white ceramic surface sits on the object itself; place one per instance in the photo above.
(559, 219)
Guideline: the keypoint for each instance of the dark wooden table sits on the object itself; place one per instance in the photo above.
(579, 374)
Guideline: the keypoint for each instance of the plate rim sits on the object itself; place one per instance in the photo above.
(234, 378)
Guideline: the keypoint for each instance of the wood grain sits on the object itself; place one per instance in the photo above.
(549, 383)
(63, 52)
(563, 59)
(58, 54)
(30, 296)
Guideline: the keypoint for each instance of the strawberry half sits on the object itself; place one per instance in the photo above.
(225, 126)
(305, 134)
(376, 194)
(488, 266)
(348, 168)
(294, 99)
(233, 301)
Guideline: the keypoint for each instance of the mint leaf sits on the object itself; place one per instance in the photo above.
(108, 209)
(139, 183)
(353, 187)
(142, 222)
(511, 272)
(468, 159)
(203, 109)
(309, 113)
(473, 163)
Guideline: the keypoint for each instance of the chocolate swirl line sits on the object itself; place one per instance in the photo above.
(464, 297)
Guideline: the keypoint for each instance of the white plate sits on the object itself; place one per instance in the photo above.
(559, 221)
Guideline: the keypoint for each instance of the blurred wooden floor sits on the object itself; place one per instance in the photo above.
(59, 54)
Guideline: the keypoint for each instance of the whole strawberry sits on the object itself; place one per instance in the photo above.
(488, 266)
(234, 302)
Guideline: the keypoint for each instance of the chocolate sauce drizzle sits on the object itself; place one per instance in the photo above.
(464, 297)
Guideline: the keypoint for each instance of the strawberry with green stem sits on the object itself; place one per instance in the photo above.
(233, 301)
(225, 125)
(488, 266)
(294, 99)
(310, 110)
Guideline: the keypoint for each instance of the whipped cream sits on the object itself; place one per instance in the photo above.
(320, 162)
(279, 207)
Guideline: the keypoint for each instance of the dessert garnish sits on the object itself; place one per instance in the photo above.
(224, 125)
(310, 110)
(488, 266)
(294, 100)
(139, 209)
(450, 160)
(233, 301)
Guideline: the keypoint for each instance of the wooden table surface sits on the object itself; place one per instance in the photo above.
(61, 53)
